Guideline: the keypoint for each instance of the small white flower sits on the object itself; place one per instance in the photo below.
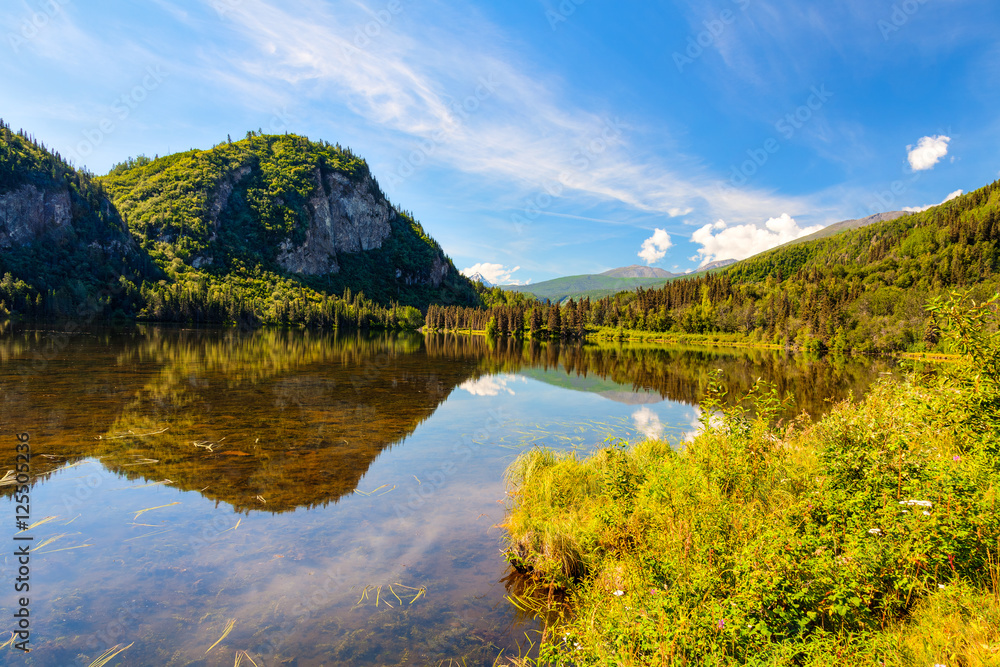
(926, 513)
(619, 593)
(874, 531)
(917, 503)
(942, 586)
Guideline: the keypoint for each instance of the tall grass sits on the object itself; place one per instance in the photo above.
(869, 538)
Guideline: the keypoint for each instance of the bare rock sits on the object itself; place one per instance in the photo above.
(29, 213)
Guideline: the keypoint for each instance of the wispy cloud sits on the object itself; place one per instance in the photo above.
(481, 110)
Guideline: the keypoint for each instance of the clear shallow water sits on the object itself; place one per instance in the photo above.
(336, 497)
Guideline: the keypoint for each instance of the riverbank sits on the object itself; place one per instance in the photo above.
(871, 537)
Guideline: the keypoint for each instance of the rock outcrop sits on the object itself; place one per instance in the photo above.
(29, 213)
(345, 217)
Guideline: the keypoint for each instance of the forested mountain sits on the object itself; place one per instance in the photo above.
(272, 229)
(863, 289)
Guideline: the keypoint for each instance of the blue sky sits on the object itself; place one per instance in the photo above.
(542, 138)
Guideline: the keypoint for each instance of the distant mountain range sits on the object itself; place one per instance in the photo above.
(638, 271)
(718, 264)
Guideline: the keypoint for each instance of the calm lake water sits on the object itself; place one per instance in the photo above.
(329, 499)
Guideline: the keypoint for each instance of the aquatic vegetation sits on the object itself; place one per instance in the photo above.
(109, 655)
(381, 597)
(871, 536)
(230, 624)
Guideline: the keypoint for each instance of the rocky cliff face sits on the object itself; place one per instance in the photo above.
(345, 217)
(28, 214)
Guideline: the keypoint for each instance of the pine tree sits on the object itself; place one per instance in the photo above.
(555, 323)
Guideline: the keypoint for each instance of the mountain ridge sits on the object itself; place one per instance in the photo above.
(637, 271)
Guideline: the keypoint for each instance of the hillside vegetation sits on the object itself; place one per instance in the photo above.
(863, 289)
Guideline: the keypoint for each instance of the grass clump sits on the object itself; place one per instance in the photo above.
(869, 538)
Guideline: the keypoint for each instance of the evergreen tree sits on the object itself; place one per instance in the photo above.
(555, 323)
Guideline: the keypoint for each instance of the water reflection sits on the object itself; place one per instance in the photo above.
(273, 477)
(272, 420)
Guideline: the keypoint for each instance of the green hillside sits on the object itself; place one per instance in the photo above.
(230, 209)
(64, 248)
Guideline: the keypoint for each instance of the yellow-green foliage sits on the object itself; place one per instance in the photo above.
(868, 538)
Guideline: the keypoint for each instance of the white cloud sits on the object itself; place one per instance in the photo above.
(498, 274)
(655, 247)
(648, 423)
(919, 209)
(488, 386)
(720, 241)
(928, 152)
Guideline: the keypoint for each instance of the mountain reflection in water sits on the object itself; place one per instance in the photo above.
(296, 417)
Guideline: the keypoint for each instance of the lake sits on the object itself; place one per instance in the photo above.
(313, 498)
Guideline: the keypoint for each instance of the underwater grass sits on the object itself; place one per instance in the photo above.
(366, 594)
(109, 655)
(230, 624)
(871, 537)
(150, 509)
(241, 656)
